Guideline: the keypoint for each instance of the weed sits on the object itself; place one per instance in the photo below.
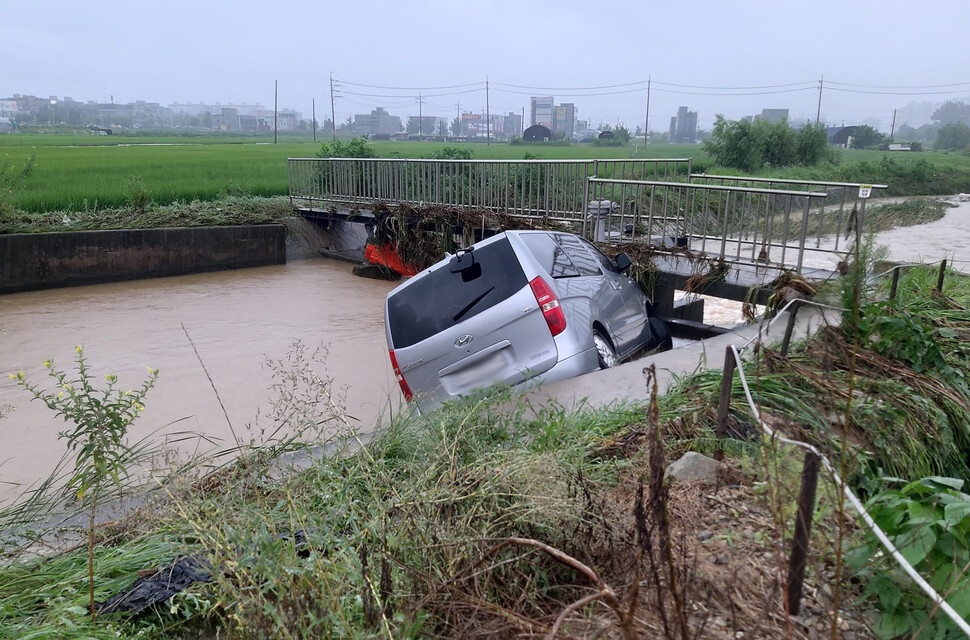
(101, 419)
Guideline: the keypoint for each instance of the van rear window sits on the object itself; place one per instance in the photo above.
(436, 301)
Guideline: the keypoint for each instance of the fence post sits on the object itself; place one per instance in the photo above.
(894, 284)
(790, 327)
(803, 527)
(939, 279)
(724, 404)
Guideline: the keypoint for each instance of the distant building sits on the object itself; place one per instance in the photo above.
(543, 111)
(513, 124)
(565, 120)
(840, 135)
(377, 123)
(5, 125)
(537, 133)
(683, 127)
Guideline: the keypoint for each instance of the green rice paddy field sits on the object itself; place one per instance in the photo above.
(85, 172)
(79, 172)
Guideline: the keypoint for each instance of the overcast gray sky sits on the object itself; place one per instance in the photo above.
(874, 55)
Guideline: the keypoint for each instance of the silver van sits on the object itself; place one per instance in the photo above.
(520, 306)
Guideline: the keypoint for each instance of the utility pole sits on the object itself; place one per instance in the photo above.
(333, 115)
(420, 116)
(646, 120)
(818, 113)
(488, 117)
(313, 118)
(276, 106)
(458, 132)
(892, 130)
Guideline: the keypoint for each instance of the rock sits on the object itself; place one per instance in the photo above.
(705, 535)
(692, 466)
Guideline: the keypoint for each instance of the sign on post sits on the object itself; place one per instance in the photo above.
(865, 190)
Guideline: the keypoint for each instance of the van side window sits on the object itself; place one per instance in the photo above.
(550, 255)
(585, 259)
(603, 259)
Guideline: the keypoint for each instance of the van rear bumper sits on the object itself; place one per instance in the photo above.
(576, 365)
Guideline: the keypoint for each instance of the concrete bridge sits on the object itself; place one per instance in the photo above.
(735, 235)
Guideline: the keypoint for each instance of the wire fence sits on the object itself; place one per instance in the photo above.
(734, 353)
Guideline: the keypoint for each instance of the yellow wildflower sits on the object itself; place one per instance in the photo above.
(47, 364)
(78, 348)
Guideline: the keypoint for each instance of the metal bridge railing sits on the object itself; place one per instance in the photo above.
(744, 225)
(547, 189)
(833, 212)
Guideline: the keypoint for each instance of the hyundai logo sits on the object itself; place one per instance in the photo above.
(463, 341)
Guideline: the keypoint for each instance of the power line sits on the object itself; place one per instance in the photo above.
(740, 93)
(900, 93)
(926, 86)
(430, 95)
(452, 86)
(605, 86)
(767, 86)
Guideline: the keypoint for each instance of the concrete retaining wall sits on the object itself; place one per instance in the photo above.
(30, 261)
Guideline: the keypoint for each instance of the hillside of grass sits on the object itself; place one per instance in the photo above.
(495, 517)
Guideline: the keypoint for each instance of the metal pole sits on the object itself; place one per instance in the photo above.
(488, 117)
(803, 527)
(724, 404)
(818, 113)
(276, 106)
(939, 279)
(790, 327)
(646, 120)
(313, 118)
(333, 115)
(895, 283)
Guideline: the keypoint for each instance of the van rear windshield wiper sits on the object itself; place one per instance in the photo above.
(468, 307)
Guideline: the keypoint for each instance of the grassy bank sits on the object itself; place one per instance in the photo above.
(496, 517)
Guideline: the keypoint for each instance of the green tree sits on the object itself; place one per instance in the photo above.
(456, 128)
(622, 134)
(355, 148)
(953, 136)
(752, 146)
(812, 145)
(866, 137)
(451, 153)
(952, 112)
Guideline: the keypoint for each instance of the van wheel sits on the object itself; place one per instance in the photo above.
(604, 351)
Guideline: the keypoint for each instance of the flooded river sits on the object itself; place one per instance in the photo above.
(236, 320)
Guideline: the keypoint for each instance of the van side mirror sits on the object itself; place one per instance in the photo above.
(623, 262)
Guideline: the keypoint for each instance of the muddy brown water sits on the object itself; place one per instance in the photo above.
(236, 319)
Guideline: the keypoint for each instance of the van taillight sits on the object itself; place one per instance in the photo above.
(549, 304)
(405, 389)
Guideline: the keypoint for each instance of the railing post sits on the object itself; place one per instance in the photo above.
(790, 327)
(803, 527)
(724, 404)
(801, 240)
